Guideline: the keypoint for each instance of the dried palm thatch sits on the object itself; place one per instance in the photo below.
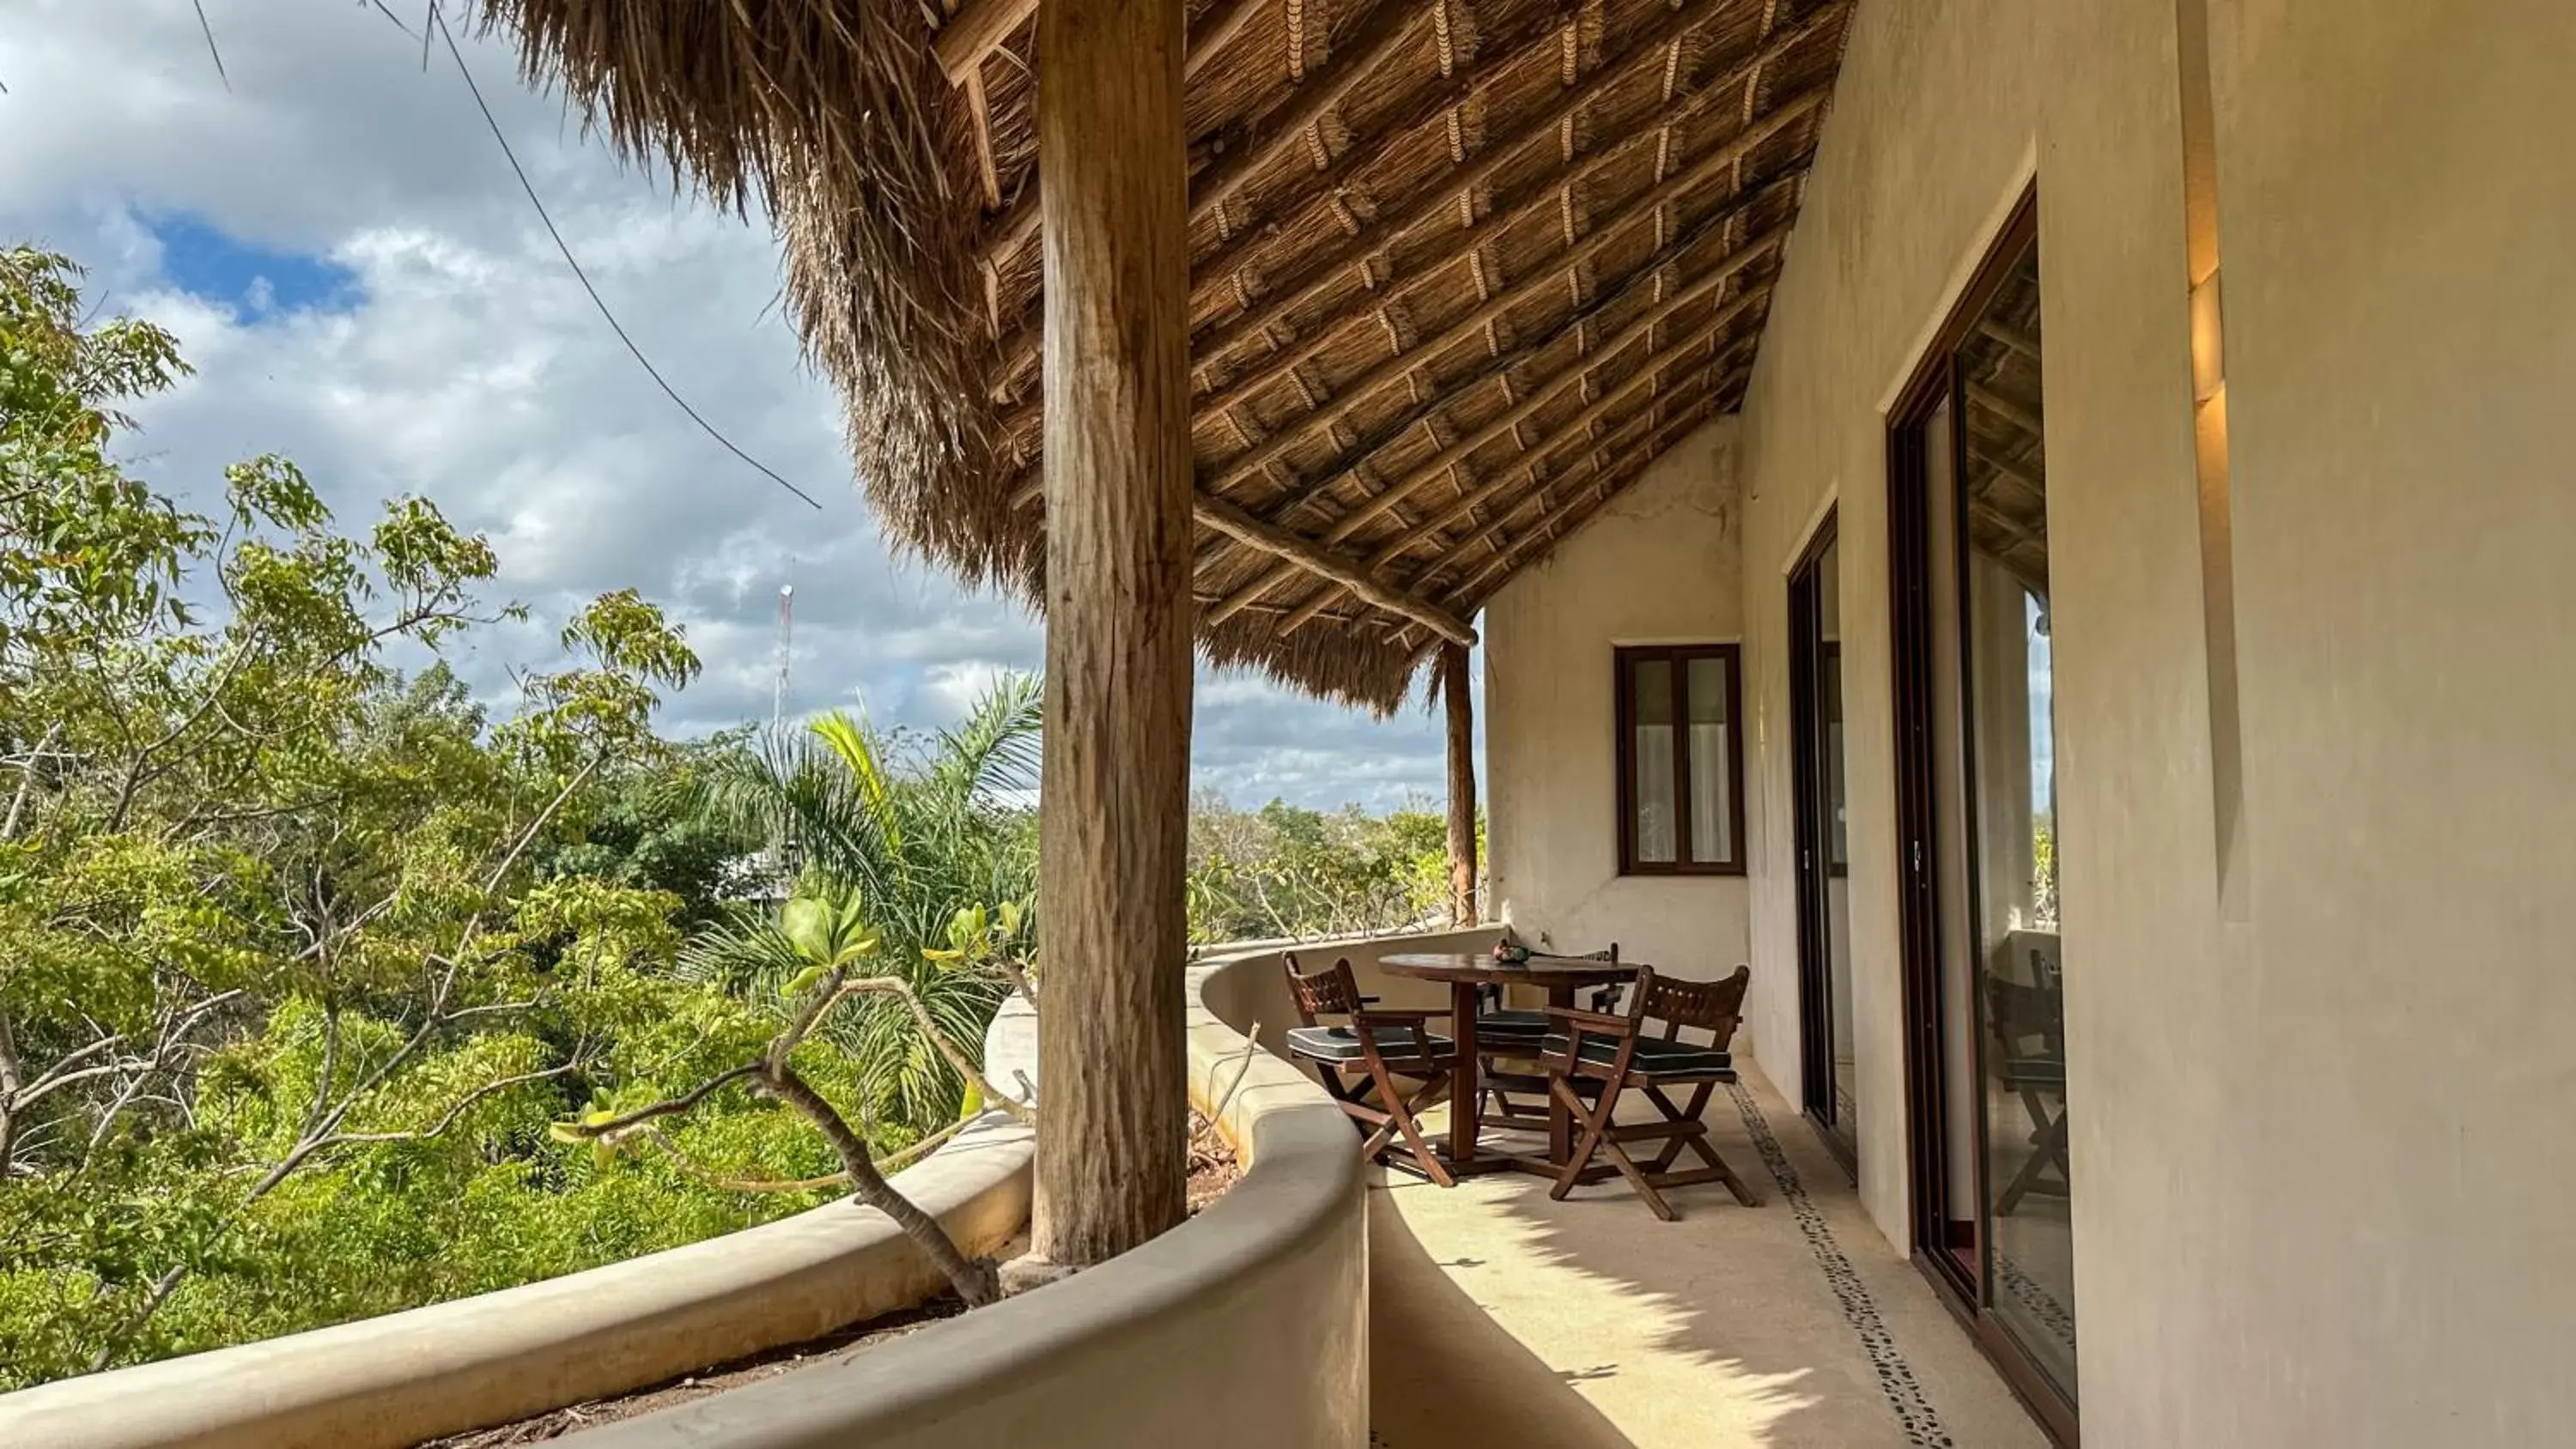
(1460, 269)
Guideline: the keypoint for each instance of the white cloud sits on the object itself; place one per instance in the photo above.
(465, 364)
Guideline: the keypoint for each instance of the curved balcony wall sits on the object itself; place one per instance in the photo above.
(1247, 1326)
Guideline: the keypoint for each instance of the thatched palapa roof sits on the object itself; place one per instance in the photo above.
(1460, 268)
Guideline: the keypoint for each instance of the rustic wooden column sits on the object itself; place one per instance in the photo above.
(1462, 784)
(1113, 1099)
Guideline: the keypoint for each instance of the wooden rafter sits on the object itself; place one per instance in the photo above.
(1380, 37)
(975, 31)
(1271, 368)
(1529, 475)
(2016, 413)
(1703, 382)
(1234, 522)
(2018, 341)
(1547, 392)
(1253, 461)
(1567, 518)
(1708, 383)
(979, 115)
(1395, 368)
(1551, 391)
(1213, 279)
(1312, 276)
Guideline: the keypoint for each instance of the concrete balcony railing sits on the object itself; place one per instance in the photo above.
(1246, 1326)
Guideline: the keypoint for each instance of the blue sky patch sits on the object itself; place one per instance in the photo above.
(252, 280)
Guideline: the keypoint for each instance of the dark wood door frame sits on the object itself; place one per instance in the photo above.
(1926, 1051)
(1814, 844)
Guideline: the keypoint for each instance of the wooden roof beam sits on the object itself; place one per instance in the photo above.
(1218, 514)
(1209, 280)
(1568, 518)
(1526, 474)
(1690, 179)
(1544, 281)
(2018, 341)
(1697, 393)
(1440, 196)
(2006, 408)
(1031, 485)
(1547, 393)
(976, 31)
(1300, 553)
(1378, 39)
(1696, 290)
(1531, 471)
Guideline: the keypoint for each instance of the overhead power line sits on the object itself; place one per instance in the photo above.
(435, 20)
(449, 37)
(208, 27)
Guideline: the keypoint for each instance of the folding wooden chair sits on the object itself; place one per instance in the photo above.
(1505, 1033)
(1610, 1053)
(2020, 1015)
(1383, 1045)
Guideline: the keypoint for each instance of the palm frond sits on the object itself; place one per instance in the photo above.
(995, 749)
(858, 752)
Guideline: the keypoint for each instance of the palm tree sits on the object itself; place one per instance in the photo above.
(937, 844)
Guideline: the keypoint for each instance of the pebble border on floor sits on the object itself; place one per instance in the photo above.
(1895, 1376)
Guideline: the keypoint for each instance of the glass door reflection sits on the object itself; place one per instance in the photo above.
(2009, 685)
(1824, 860)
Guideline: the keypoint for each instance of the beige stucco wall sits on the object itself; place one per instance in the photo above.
(2321, 1149)
(1660, 565)
(391, 1381)
(1247, 1325)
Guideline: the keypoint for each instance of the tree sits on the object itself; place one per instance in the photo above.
(824, 932)
(654, 828)
(269, 907)
(937, 837)
(1292, 872)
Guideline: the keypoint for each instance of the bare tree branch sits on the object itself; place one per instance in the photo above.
(670, 1107)
(455, 1110)
(957, 1059)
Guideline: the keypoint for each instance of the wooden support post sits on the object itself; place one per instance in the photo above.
(1462, 784)
(1113, 1099)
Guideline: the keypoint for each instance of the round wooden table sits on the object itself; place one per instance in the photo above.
(1467, 970)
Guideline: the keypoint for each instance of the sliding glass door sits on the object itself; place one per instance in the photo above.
(1977, 766)
(1824, 856)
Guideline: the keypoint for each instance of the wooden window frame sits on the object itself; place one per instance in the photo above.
(1623, 658)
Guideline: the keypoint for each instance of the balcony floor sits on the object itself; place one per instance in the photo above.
(1501, 1318)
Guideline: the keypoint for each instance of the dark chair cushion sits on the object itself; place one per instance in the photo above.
(1341, 1044)
(1510, 1027)
(1655, 1056)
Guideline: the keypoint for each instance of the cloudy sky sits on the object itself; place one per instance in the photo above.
(348, 262)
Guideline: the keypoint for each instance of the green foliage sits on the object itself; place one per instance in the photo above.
(306, 955)
(651, 827)
(927, 846)
(323, 977)
(1287, 871)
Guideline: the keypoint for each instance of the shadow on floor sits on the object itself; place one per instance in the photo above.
(1791, 1325)
(1442, 1372)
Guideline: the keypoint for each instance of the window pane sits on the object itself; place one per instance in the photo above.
(1650, 715)
(1712, 820)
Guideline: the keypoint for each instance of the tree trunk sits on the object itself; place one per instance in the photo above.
(1113, 1122)
(1462, 784)
(974, 1281)
(9, 1085)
